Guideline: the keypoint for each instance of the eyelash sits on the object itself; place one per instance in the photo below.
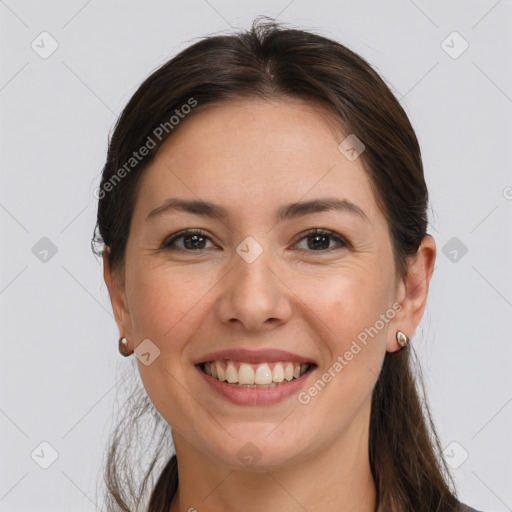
(168, 243)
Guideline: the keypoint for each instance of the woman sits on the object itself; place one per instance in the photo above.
(263, 215)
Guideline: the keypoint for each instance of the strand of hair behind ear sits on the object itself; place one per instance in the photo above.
(407, 470)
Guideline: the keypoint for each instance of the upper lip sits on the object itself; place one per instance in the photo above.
(254, 356)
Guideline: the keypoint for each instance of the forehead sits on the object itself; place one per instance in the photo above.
(252, 153)
(254, 126)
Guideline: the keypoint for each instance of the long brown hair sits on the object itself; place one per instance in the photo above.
(271, 62)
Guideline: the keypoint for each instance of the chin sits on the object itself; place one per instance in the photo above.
(261, 449)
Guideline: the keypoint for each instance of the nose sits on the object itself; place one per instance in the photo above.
(254, 297)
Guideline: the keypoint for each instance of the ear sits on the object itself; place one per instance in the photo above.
(412, 292)
(117, 294)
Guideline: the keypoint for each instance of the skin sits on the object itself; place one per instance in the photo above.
(251, 157)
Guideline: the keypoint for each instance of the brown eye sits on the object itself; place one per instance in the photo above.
(193, 240)
(319, 240)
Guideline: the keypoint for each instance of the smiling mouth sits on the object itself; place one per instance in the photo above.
(256, 376)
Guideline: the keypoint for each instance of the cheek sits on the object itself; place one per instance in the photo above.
(352, 312)
(353, 338)
(166, 307)
(165, 304)
(352, 299)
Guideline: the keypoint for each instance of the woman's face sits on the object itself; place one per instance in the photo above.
(321, 298)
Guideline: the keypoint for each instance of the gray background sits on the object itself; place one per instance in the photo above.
(60, 369)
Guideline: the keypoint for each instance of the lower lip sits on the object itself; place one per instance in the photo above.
(255, 396)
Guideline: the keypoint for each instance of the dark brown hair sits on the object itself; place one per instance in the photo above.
(271, 62)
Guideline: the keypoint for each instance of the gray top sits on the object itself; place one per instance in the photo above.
(466, 508)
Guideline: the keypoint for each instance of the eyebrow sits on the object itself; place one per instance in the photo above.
(286, 212)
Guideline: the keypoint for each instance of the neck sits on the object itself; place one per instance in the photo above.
(337, 478)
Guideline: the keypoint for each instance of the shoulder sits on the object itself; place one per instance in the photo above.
(466, 508)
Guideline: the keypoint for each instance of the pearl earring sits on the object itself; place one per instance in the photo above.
(123, 345)
(402, 339)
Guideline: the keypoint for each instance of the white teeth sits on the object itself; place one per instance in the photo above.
(231, 373)
(221, 375)
(245, 374)
(278, 373)
(260, 375)
(288, 371)
(263, 374)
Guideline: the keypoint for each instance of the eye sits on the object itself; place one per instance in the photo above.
(194, 240)
(320, 240)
